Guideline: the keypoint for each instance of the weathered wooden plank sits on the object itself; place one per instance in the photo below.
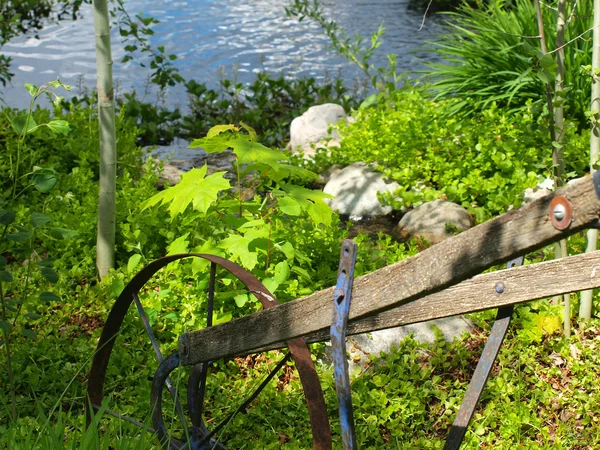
(513, 234)
(521, 284)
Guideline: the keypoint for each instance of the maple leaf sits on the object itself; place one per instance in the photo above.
(194, 189)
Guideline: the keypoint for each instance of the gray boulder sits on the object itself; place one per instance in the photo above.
(355, 189)
(312, 128)
(361, 346)
(434, 221)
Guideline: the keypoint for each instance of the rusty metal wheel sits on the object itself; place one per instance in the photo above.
(195, 434)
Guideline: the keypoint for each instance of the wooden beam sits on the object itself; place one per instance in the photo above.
(521, 284)
(515, 233)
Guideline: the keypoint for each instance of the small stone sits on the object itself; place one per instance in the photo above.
(434, 221)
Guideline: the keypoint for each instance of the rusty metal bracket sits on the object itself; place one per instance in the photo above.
(483, 369)
(561, 212)
(341, 309)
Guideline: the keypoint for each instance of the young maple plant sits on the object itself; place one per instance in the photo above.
(247, 221)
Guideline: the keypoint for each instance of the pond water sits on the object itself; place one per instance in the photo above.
(229, 38)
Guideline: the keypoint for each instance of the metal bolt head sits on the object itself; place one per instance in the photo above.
(560, 211)
(499, 287)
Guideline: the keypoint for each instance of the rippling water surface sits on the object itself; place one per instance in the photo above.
(214, 37)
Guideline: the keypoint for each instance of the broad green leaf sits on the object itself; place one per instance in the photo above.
(3, 262)
(32, 89)
(193, 189)
(271, 284)
(5, 326)
(226, 317)
(62, 233)
(251, 131)
(49, 297)
(133, 262)
(22, 236)
(49, 274)
(289, 206)
(218, 129)
(201, 264)
(33, 316)
(43, 180)
(7, 217)
(237, 246)
(547, 61)
(172, 316)
(312, 202)
(29, 334)
(252, 224)
(116, 287)
(545, 76)
(303, 273)
(24, 124)
(216, 144)
(39, 219)
(287, 249)
(179, 245)
(282, 272)
(6, 276)
(59, 126)
(250, 152)
(241, 300)
(287, 170)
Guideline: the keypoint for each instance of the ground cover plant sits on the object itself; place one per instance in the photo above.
(408, 401)
(483, 163)
(266, 215)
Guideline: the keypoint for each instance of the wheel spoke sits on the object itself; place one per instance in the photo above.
(249, 400)
(159, 356)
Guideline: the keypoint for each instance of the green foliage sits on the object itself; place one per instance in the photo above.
(484, 162)
(268, 104)
(492, 55)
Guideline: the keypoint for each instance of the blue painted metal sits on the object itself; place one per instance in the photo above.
(341, 309)
(483, 369)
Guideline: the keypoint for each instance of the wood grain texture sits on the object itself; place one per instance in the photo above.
(513, 234)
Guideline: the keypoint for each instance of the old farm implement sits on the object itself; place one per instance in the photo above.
(435, 283)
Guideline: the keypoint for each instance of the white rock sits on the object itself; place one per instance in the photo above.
(532, 194)
(312, 127)
(434, 221)
(361, 346)
(355, 191)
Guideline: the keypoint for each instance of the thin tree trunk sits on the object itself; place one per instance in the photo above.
(558, 158)
(105, 249)
(585, 307)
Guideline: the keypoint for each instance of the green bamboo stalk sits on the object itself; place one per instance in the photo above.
(585, 307)
(105, 247)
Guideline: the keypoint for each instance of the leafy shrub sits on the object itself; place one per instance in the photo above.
(492, 55)
(484, 162)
